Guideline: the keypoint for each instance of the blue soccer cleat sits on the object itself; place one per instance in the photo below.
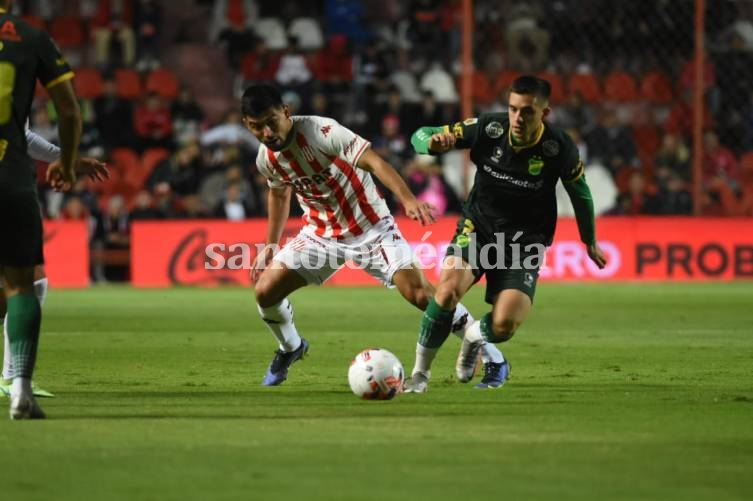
(495, 375)
(278, 369)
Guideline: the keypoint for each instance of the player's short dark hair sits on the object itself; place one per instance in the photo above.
(531, 86)
(259, 98)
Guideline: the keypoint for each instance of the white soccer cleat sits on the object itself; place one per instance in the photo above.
(25, 407)
(417, 383)
(469, 360)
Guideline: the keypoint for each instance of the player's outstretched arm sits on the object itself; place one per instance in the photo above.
(414, 209)
(428, 140)
(580, 196)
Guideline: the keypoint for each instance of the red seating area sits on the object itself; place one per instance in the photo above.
(615, 87)
(128, 173)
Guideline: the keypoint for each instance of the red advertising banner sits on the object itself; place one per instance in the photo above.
(66, 253)
(209, 253)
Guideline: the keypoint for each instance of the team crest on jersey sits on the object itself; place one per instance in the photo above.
(496, 154)
(535, 164)
(470, 121)
(494, 130)
(550, 147)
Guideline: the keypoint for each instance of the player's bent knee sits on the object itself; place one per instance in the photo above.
(420, 297)
(504, 330)
(447, 297)
(265, 294)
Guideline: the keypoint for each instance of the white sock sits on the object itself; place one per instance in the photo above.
(424, 358)
(40, 290)
(461, 319)
(7, 359)
(20, 386)
(489, 352)
(279, 320)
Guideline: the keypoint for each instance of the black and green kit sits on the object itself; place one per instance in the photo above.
(26, 55)
(513, 197)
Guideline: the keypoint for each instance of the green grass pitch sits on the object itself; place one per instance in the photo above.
(633, 391)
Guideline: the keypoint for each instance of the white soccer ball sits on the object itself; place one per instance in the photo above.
(375, 374)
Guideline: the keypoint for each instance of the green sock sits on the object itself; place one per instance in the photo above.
(486, 329)
(435, 325)
(24, 317)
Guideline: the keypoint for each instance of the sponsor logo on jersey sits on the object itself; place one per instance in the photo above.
(550, 147)
(8, 32)
(457, 130)
(494, 130)
(521, 183)
(302, 183)
(496, 154)
(349, 146)
(535, 164)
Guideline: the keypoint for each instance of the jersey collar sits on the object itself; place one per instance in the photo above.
(519, 147)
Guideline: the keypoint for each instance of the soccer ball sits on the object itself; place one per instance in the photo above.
(375, 374)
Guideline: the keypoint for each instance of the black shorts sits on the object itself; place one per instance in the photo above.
(506, 263)
(21, 233)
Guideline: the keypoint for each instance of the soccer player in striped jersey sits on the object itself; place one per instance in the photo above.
(329, 167)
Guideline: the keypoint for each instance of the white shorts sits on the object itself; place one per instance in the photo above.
(381, 251)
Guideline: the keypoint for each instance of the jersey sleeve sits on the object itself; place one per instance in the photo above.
(345, 143)
(52, 68)
(266, 169)
(465, 132)
(572, 167)
(41, 149)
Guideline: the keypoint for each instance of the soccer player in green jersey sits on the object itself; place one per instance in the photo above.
(41, 150)
(27, 54)
(507, 222)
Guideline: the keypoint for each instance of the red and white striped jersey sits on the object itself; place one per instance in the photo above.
(338, 199)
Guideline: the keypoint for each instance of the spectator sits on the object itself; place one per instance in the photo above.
(114, 18)
(114, 230)
(233, 206)
(673, 196)
(113, 116)
(178, 174)
(638, 199)
(424, 176)
(153, 124)
(232, 25)
(440, 82)
(231, 132)
(148, 20)
(611, 144)
(143, 208)
(293, 72)
(718, 160)
(187, 115)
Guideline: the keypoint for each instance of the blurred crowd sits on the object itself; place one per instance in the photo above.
(384, 67)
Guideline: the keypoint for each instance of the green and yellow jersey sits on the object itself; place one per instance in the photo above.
(26, 55)
(514, 188)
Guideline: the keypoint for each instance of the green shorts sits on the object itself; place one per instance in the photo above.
(20, 229)
(506, 264)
